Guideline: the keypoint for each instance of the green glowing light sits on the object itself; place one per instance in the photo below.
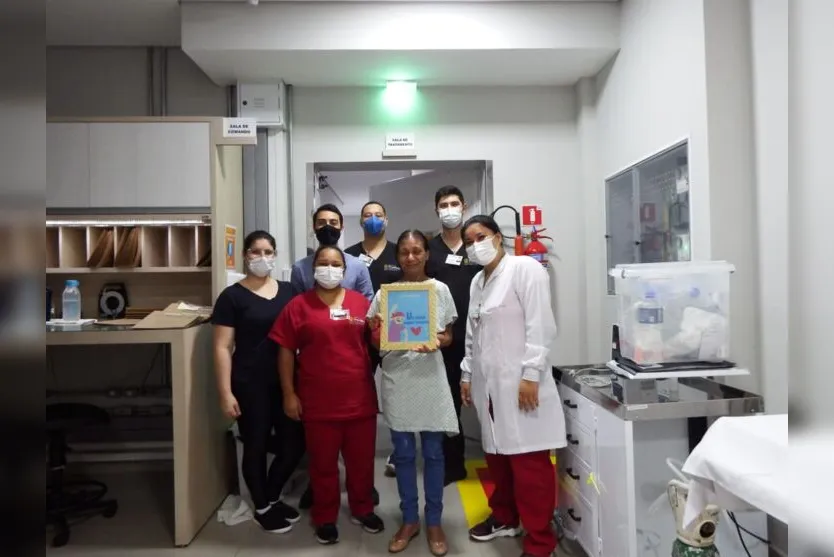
(399, 97)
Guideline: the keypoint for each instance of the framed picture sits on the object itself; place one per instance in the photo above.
(409, 315)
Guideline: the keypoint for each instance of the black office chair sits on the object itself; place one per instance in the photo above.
(67, 500)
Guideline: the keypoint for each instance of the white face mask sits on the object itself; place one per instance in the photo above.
(483, 252)
(329, 277)
(261, 266)
(451, 217)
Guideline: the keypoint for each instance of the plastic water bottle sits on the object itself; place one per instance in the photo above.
(648, 330)
(71, 301)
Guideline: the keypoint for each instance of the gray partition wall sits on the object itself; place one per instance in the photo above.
(255, 189)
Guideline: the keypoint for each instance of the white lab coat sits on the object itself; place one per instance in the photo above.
(510, 329)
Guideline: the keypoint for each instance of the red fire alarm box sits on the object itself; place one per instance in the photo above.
(531, 215)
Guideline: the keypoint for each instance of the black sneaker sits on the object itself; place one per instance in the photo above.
(327, 534)
(371, 523)
(390, 468)
(490, 529)
(290, 514)
(375, 497)
(273, 521)
(306, 501)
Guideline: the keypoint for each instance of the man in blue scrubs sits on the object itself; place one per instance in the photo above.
(327, 224)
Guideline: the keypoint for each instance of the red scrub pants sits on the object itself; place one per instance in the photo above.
(525, 489)
(356, 441)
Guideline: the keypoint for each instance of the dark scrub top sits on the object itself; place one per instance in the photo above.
(458, 277)
(252, 317)
(384, 269)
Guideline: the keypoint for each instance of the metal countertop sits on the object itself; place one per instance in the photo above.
(659, 399)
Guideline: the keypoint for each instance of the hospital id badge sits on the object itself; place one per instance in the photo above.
(455, 260)
(339, 314)
(366, 259)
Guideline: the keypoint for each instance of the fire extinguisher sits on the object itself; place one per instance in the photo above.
(535, 248)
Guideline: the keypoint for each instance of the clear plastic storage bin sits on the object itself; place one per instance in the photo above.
(674, 312)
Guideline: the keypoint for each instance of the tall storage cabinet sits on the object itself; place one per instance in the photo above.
(68, 165)
(114, 165)
(175, 183)
(107, 165)
(173, 167)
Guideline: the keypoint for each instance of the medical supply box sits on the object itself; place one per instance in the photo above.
(674, 312)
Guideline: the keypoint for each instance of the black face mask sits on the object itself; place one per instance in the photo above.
(328, 235)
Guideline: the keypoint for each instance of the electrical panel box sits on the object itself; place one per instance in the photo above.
(263, 102)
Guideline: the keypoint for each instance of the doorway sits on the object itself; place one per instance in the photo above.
(405, 188)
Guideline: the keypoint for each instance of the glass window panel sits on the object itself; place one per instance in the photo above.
(620, 222)
(663, 209)
(647, 211)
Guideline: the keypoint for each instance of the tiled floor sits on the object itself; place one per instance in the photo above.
(142, 527)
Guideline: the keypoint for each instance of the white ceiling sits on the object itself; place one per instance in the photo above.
(126, 23)
(142, 22)
(428, 68)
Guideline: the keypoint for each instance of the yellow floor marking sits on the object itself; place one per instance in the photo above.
(472, 495)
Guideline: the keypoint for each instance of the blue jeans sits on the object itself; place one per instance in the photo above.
(434, 471)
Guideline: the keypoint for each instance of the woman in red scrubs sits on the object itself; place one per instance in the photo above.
(332, 393)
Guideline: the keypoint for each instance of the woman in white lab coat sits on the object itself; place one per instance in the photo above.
(508, 379)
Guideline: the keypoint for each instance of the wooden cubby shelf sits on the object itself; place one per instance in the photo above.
(175, 248)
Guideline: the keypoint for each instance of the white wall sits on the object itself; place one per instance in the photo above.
(528, 132)
(731, 181)
(811, 264)
(683, 72)
(410, 201)
(650, 97)
(103, 81)
(769, 26)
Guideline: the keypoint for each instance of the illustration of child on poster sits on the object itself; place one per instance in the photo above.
(397, 331)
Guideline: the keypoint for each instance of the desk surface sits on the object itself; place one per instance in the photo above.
(86, 328)
(90, 333)
(661, 399)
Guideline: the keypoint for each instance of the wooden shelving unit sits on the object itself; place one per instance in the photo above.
(128, 270)
(163, 248)
(156, 263)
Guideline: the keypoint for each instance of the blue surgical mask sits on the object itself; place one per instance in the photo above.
(374, 225)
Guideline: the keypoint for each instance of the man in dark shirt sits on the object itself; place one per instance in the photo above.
(449, 264)
(380, 256)
(375, 251)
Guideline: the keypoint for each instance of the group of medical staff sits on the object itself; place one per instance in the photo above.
(295, 365)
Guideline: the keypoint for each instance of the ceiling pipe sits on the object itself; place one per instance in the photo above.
(163, 93)
(288, 110)
(150, 84)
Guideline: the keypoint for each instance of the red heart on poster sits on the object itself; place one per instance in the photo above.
(416, 330)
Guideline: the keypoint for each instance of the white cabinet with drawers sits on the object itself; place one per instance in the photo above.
(614, 470)
(128, 165)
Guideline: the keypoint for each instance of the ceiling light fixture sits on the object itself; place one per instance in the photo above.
(252, 2)
(400, 96)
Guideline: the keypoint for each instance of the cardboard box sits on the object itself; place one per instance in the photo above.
(179, 315)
